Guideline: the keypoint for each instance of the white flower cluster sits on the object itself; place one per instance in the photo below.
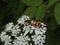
(21, 40)
(39, 37)
(26, 35)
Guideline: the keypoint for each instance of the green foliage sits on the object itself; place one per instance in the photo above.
(51, 3)
(30, 11)
(57, 13)
(32, 2)
(40, 14)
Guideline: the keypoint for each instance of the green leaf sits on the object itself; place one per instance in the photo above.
(30, 11)
(57, 13)
(51, 3)
(41, 12)
(32, 2)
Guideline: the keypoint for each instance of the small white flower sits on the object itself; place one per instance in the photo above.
(26, 29)
(26, 17)
(43, 24)
(43, 30)
(6, 43)
(38, 39)
(8, 27)
(33, 28)
(5, 37)
(2, 35)
(21, 40)
(15, 30)
(30, 44)
(22, 19)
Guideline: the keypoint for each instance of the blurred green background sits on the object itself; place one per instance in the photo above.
(47, 11)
